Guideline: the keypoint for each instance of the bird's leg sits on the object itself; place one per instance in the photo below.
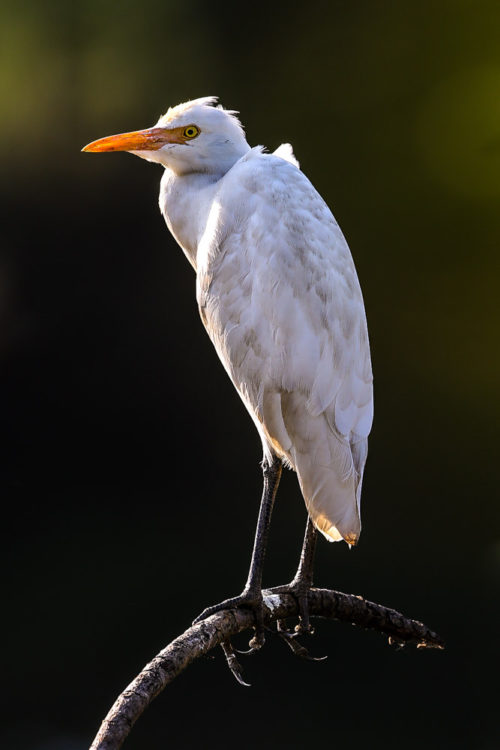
(251, 596)
(303, 579)
(299, 588)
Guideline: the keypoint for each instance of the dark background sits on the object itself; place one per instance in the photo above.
(130, 469)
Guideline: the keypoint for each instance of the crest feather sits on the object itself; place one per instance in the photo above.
(210, 102)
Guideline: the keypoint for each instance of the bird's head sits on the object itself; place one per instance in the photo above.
(196, 136)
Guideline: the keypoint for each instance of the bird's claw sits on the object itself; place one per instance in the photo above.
(296, 647)
(290, 637)
(246, 652)
(233, 663)
(255, 644)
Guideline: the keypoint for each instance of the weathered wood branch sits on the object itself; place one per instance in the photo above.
(219, 628)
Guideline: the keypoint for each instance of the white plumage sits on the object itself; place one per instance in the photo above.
(279, 297)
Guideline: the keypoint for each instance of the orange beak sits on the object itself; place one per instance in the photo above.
(151, 139)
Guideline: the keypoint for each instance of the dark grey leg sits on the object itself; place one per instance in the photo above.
(304, 576)
(303, 579)
(272, 476)
(251, 596)
(305, 570)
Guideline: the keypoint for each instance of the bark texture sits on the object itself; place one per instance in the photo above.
(220, 627)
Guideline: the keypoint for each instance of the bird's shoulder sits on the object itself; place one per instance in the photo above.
(266, 201)
(259, 173)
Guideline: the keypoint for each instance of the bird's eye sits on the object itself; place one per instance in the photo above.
(191, 131)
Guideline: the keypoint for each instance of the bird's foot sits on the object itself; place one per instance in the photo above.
(248, 599)
(294, 644)
(299, 589)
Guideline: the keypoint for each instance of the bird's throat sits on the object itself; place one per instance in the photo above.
(186, 202)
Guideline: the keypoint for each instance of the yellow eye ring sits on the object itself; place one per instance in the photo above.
(191, 131)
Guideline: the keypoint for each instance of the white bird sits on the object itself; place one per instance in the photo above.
(280, 299)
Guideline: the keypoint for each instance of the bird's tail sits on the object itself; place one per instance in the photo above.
(329, 467)
(331, 487)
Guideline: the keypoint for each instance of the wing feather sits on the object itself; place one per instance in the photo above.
(280, 298)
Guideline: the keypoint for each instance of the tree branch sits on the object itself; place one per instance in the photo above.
(219, 628)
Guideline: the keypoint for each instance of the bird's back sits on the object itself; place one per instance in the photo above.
(279, 296)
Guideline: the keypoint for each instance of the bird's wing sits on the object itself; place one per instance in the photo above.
(280, 298)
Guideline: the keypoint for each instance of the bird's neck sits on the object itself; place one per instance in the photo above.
(185, 202)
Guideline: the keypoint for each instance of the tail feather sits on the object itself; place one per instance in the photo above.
(329, 467)
(330, 500)
(329, 473)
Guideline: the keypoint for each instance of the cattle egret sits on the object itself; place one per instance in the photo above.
(280, 299)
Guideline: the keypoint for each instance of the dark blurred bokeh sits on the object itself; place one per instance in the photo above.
(130, 469)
